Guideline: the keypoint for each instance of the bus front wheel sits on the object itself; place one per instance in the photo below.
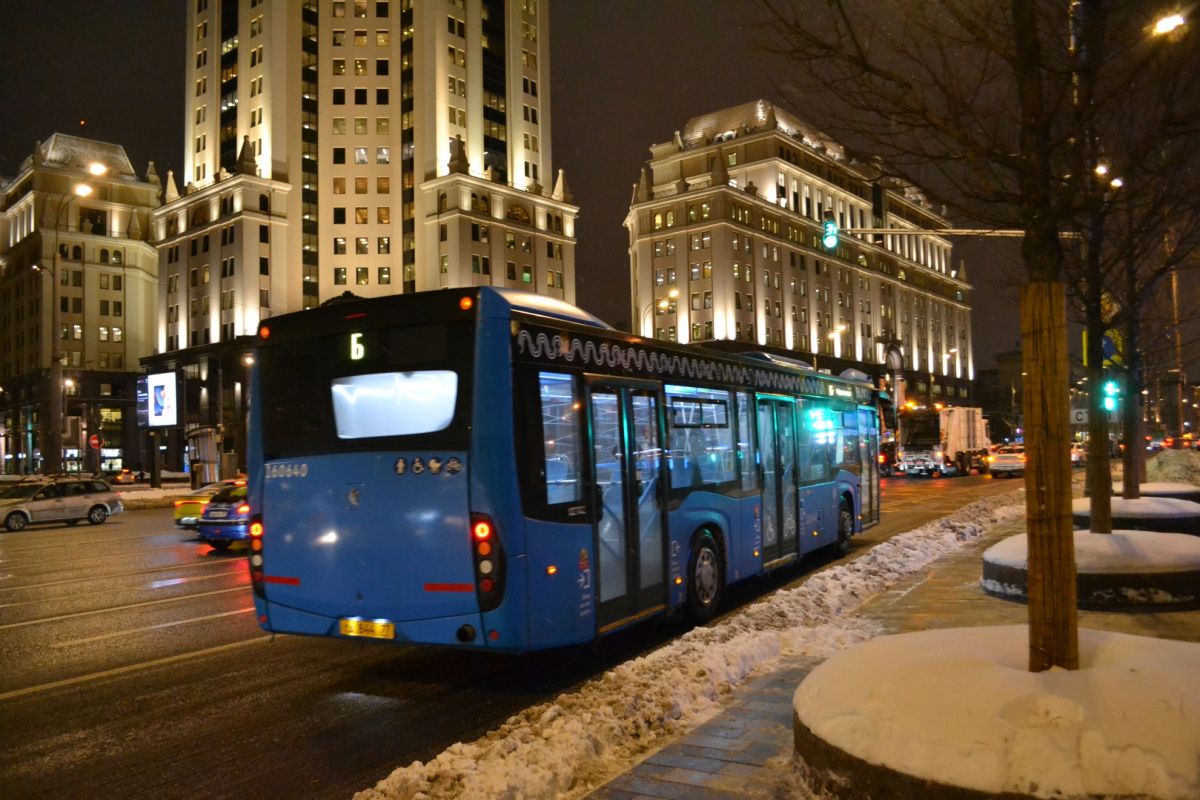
(704, 580)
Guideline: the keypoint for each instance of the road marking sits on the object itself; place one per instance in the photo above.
(123, 574)
(131, 668)
(152, 627)
(121, 608)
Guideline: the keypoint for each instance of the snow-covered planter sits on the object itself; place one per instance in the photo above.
(955, 713)
(1123, 568)
(1163, 514)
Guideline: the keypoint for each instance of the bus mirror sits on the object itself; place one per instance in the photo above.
(888, 409)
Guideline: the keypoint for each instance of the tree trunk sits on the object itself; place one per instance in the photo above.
(1053, 625)
(1099, 470)
(1132, 412)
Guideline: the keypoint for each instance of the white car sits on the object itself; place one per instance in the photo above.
(1078, 455)
(1007, 461)
(69, 501)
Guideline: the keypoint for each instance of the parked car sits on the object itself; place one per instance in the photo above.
(1007, 461)
(124, 477)
(189, 507)
(226, 518)
(68, 500)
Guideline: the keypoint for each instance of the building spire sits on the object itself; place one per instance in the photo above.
(246, 164)
(562, 192)
(458, 156)
(642, 188)
(172, 190)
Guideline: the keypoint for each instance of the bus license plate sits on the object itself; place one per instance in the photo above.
(365, 627)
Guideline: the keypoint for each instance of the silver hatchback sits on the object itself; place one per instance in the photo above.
(66, 500)
(1008, 460)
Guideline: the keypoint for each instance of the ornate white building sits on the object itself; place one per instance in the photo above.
(344, 116)
(78, 284)
(726, 243)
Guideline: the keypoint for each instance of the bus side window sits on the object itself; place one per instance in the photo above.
(745, 443)
(815, 442)
(849, 454)
(700, 436)
(560, 437)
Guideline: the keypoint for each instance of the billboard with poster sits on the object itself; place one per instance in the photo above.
(157, 400)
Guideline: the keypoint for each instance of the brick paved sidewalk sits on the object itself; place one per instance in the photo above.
(726, 757)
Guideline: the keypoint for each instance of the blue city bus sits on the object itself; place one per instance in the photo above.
(496, 469)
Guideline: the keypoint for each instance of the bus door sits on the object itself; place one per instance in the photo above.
(627, 479)
(780, 501)
(868, 445)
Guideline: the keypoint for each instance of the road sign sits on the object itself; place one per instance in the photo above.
(1079, 416)
(95, 442)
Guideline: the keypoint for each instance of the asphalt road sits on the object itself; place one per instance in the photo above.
(131, 666)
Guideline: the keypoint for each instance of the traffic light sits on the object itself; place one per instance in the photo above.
(829, 236)
(1111, 391)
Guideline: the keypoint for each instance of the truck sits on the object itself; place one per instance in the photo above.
(945, 440)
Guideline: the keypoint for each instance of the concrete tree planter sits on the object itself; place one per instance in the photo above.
(1121, 569)
(1163, 514)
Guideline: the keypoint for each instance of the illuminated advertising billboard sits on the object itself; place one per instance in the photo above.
(158, 400)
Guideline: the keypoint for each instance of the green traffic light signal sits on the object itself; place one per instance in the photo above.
(1111, 390)
(830, 232)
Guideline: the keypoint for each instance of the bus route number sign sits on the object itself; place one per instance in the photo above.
(359, 346)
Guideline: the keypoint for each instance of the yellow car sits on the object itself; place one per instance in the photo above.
(189, 507)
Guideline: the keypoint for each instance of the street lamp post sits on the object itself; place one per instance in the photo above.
(663, 304)
(52, 446)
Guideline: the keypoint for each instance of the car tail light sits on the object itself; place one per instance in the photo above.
(488, 556)
(256, 556)
(244, 508)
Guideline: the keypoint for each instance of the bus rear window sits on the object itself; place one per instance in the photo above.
(394, 403)
(406, 386)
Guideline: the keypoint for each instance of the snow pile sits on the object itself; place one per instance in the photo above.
(1119, 552)
(1157, 488)
(1174, 466)
(959, 707)
(1142, 508)
(586, 737)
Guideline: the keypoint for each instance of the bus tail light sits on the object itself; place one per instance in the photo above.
(487, 553)
(256, 557)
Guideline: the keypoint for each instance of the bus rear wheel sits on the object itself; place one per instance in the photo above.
(704, 580)
(845, 529)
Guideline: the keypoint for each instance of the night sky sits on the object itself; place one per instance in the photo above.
(625, 74)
